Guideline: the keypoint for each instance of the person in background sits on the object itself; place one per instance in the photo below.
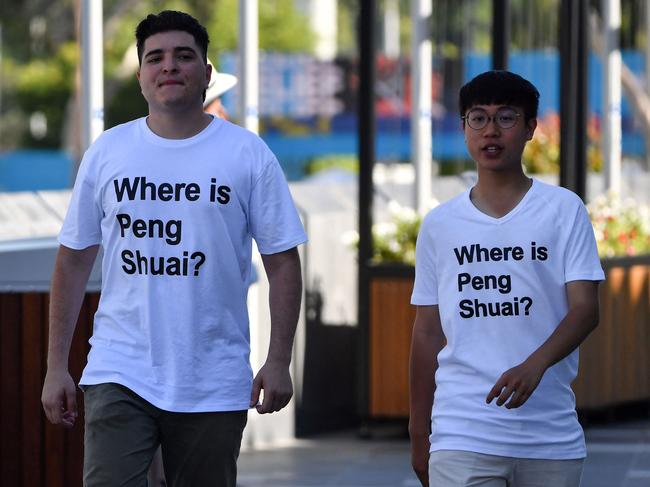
(219, 84)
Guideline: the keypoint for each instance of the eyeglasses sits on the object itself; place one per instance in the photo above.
(505, 118)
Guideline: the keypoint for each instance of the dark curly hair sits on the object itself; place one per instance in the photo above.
(171, 20)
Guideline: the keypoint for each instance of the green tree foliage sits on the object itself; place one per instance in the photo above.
(281, 27)
(346, 17)
(44, 86)
(534, 24)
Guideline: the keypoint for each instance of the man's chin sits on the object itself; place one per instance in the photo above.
(176, 103)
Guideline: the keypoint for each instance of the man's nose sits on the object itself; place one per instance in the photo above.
(169, 63)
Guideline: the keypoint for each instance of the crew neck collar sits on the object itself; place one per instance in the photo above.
(156, 139)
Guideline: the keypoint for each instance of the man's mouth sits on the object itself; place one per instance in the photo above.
(492, 148)
(170, 82)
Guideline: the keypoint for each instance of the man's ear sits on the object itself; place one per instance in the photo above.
(208, 74)
(531, 125)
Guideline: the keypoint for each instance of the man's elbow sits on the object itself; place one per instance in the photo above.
(592, 316)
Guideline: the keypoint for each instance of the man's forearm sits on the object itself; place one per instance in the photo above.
(285, 294)
(578, 323)
(426, 343)
(69, 280)
(423, 366)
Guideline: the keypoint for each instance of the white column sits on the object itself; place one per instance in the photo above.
(612, 99)
(92, 76)
(322, 18)
(421, 59)
(391, 29)
(248, 63)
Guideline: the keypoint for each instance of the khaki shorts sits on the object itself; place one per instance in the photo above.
(123, 431)
(455, 468)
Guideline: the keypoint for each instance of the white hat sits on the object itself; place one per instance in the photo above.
(219, 84)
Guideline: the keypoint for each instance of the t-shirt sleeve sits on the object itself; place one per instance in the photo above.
(82, 224)
(581, 259)
(274, 221)
(425, 289)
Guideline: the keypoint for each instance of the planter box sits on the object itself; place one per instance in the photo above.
(614, 360)
(391, 322)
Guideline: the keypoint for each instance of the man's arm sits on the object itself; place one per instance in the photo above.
(69, 280)
(285, 293)
(427, 341)
(582, 318)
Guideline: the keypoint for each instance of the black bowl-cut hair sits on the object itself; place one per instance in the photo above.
(171, 20)
(500, 88)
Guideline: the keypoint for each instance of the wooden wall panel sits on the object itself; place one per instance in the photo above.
(33, 363)
(10, 391)
(34, 453)
(78, 353)
(54, 455)
(391, 325)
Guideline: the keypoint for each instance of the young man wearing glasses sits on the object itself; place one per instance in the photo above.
(506, 289)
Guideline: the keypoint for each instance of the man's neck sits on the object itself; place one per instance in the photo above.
(175, 125)
(498, 193)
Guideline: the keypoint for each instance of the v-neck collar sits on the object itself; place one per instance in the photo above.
(507, 216)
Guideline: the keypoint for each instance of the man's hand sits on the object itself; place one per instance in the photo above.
(275, 379)
(517, 384)
(59, 398)
(420, 457)
(520, 382)
(71, 271)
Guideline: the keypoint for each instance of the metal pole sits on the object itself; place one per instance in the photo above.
(573, 95)
(248, 62)
(612, 99)
(500, 33)
(1, 74)
(92, 77)
(366, 134)
(647, 72)
(421, 56)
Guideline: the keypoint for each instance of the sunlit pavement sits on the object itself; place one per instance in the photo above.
(619, 456)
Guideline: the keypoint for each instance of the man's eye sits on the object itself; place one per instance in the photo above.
(506, 118)
(153, 59)
(477, 118)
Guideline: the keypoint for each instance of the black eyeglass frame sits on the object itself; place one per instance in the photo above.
(494, 118)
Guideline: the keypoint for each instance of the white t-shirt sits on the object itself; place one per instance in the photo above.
(499, 284)
(175, 219)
